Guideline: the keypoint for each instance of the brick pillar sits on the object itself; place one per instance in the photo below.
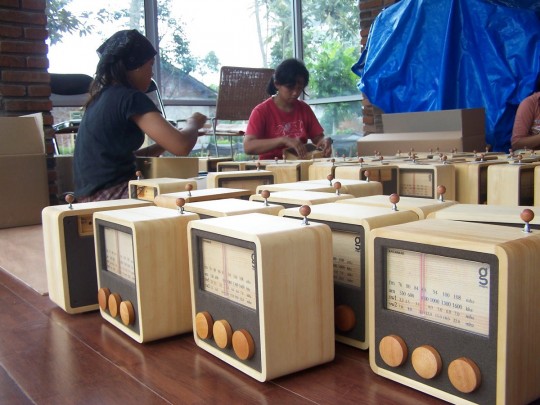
(24, 78)
(369, 9)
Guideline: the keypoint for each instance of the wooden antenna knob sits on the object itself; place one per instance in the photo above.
(441, 190)
(305, 210)
(527, 215)
(394, 198)
(258, 164)
(337, 186)
(189, 187)
(70, 198)
(366, 174)
(138, 173)
(276, 159)
(180, 202)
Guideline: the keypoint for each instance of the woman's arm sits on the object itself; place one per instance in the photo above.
(167, 137)
(324, 144)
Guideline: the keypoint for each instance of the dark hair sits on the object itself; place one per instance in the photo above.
(287, 74)
(124, 51)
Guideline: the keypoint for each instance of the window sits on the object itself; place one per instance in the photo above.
(196, 38)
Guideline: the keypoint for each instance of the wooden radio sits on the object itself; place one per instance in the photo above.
(70, 260)
(290, 171)
(385, 174)
(231, 166)
(421, 206)
(297, 198)
(168, 200)
(143, 271)
(231, 206)
(453, 309)
(511, 184)
(244, 179)
(351, 226)
(260, 302)
(508, 215)
(422, 179)
(181, 167)
(148, 189)
(211, 164)
(357, 188)
(472, 180)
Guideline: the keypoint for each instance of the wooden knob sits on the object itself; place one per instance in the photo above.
(393, 350)
(305, 210)
(337, 185)
(70, 198)
(426, 361)
(243, 344)
(189, 187)
(222, 332)
(258, 165)
(204, 325)
(527, 215)
(138, 173)
(103, 298)
(441, 190)
(276, 159)
(464, 375)
(127, 313)
(265, 194)
(394, 198)
(330, 178)
(114, 304)
(180, 202)
(360, 160)
(344, 318)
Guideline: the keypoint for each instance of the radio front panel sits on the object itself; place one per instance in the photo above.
(422, 180)
(351, 226)
(288, 172)
(450, 311)
(143, 271)
(148, 189)
(70, 259)
(259, 302)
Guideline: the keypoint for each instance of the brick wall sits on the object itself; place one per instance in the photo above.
(24, 77)
(369, 9)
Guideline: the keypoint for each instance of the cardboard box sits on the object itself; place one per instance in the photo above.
(23, 171)
(462, 129)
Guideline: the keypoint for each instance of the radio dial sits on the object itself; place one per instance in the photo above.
(203, 325)
(103, 298)
(393, 350)
(464, 375)
(114, 304)
(222, 333)
(243, 344)
(127, 313)
(426, 361)
(345, 319)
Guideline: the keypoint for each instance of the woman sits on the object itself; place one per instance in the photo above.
(283, 121)
(117, 116)
(526, 131)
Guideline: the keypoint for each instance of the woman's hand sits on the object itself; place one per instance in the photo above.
(197, 120)
(297, 145)
(326, 146)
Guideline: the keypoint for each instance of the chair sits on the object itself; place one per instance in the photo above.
(240, 90)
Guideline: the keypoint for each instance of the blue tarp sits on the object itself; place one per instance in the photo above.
(429, 55)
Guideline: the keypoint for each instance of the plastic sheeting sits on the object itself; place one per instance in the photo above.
(429, 55)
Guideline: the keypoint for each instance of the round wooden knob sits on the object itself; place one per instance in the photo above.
(222, 332)
(258, 165)
(426, 361)
(127, 313)
(394, 198)
(464, 375)
(276, 159)
(138, 173)
(305, 210)
(204, 325)
(344, 318)
(330, 177)
(527, 215)
(393, 350)
(70, 198)
(243, 344)
(189, 187)
(114, 304)
(265, 194)
(441, 190)
(180, 202)
(366, 174)
(337, 185)
(103, 298)
(360, 160)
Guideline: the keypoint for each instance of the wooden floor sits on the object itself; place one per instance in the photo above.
(50, 357)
